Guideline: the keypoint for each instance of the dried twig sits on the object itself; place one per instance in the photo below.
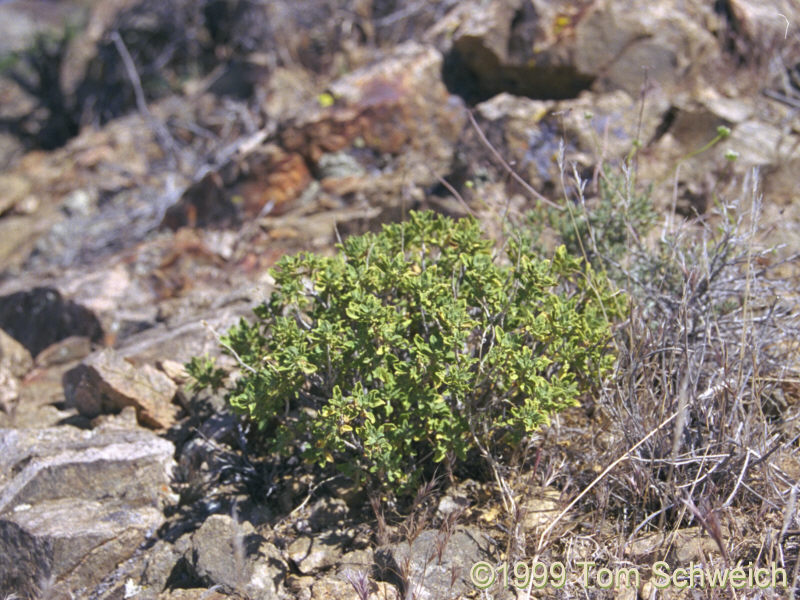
(526, 186)
(599, 478)
(165, 139)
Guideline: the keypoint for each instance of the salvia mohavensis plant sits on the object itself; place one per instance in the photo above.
(418, 345)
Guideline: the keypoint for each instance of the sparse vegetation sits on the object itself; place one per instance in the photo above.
(416, 346)
(699, 403)
(704, 390)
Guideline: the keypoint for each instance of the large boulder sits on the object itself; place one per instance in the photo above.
(554, 49)
(74, 504)
(627, 44)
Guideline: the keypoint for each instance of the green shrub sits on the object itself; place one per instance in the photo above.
(605, 230)
(417, 344)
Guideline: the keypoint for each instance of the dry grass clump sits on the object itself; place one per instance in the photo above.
(696, 434)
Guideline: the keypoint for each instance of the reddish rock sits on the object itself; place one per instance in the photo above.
(393, 106)
(275, 178)
(263, 181)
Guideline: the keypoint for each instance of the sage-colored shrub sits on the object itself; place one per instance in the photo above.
(418, 344)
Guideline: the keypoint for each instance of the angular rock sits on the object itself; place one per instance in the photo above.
(554, 49)
(72, 541)
(74, 504)
(333, 588)
(145, 574)
(125, 419)
(187, 334)
(14, 357)
(355, 561)
(106, 382)
(63, 462)
(617, 41)
(755, 32)
(265, 181)
(233, 555)
(394, 106)
(312, 554)
(174, 370)
(327, 513)
(41, 400)
(510, 46)
(159, 564)
(433, 574)
(67, 350)
(39, 317)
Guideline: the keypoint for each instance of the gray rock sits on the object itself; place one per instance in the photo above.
(160, 562)
(37, 465)
(506, 46)
(74, 504)
(355, 561)
(67, 350)
(231, 554)
(452, 503)
(314, 553)
(24, 564)
(336, 587)
(434, 566)
(125, 419)
(74, 541)
(327, 513)
(41, 400)
(185, 336)
(106, 382)
(617, 39)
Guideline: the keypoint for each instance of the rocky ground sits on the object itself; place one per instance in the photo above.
(157, 161)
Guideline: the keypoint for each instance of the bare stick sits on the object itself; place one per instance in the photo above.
(453, 191)
(227, 347)
(141, 103)
(508, 168)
